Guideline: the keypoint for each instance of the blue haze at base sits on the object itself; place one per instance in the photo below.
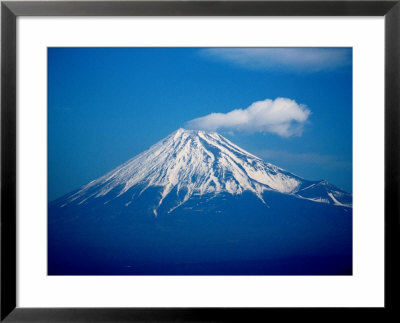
(290, 237)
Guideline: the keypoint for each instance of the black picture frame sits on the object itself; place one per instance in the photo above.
(10, 10)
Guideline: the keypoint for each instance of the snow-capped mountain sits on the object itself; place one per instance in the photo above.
(197, 204)
(192, 163)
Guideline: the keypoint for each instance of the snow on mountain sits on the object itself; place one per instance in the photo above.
(195, 162)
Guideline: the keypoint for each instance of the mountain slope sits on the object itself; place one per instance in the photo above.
(195, 162)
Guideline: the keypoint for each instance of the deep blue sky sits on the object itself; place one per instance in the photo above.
(106, 105)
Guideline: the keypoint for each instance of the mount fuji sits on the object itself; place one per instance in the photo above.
(196, 203)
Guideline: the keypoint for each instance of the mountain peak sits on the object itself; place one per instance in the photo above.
(193, 132)
(194, 162)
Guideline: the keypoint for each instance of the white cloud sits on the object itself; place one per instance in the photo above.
(297, 59)
(281, 116)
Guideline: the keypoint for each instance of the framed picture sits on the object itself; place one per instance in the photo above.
(198, 161)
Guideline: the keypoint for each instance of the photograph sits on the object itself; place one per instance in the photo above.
(200, 161)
